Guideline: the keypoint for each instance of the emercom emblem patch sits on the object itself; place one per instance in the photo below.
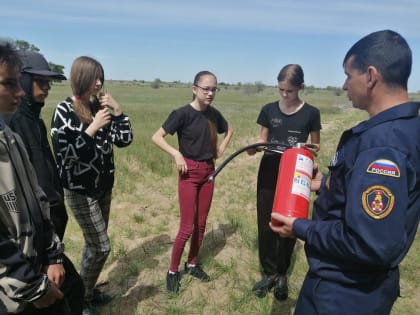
(378, 201)
(384, 167)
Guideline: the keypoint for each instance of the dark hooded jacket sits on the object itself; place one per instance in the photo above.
(28, 123)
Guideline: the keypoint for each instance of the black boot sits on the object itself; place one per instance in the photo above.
(261, 288)
(281, 290)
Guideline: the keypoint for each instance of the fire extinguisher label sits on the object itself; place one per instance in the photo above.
(302, 176)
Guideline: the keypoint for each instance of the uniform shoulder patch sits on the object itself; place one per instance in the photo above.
(378, 201)
(384, 167)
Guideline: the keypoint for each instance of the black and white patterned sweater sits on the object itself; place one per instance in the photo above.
(86, 164)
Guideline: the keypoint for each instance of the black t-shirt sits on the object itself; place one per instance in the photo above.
(192, 128)
(287, 130)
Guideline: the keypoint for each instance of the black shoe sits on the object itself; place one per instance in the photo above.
(172, 282)
(261, 288)
(100, 298)
(88, 309)
(281, 290)
(198, 272)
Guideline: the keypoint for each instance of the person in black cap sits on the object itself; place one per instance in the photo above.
(36, 77)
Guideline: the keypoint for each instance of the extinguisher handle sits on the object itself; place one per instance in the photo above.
(312, 147)
(236, 153)
(267, 149)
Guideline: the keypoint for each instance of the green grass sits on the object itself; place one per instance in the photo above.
(145, 216)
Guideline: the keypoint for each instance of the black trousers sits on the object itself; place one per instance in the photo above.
(275, 252)
(59, 218)
(73, 291)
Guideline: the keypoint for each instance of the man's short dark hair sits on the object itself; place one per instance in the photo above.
(388, 52)
(9, 55)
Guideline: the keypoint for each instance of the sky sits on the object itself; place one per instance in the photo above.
(243, 41)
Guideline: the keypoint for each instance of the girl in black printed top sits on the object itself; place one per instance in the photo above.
(197, 125)
(84, 129)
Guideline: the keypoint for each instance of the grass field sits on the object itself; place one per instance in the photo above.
(144, 214)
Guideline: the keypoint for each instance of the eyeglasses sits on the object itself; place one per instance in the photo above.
(207, 90)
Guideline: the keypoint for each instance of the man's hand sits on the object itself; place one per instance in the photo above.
(55, 274)
(316, 179)
(282, 225)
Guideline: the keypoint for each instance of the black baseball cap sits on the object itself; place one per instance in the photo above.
(35, 63)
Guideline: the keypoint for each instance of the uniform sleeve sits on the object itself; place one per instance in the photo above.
(372, 229)
(121, 132)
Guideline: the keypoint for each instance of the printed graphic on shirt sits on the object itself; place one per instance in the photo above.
(292, 140)
(378, 201)
(10, 201)
(384, 167)
(276, 122)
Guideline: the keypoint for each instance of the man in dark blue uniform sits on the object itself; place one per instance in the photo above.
(367, 213)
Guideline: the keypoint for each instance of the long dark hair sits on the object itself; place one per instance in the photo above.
(84, 72)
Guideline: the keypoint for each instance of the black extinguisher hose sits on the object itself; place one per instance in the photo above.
(267, 146)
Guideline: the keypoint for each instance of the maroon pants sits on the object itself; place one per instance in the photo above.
(195, 195)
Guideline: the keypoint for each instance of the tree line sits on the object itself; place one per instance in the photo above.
(25, 46)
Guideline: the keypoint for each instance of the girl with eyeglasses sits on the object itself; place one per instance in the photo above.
(197, 125)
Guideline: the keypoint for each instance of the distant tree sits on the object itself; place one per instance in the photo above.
(25, 46)
(156, 84)
(56, 68)
(250, 89)
(309, 89)
(259, 86)
(337, 91)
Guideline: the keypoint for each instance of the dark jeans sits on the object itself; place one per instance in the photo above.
(275, 252)
(73, 291)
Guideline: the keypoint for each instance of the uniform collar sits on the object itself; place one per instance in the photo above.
(405, 110)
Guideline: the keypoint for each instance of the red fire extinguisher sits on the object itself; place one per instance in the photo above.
(293, 187)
